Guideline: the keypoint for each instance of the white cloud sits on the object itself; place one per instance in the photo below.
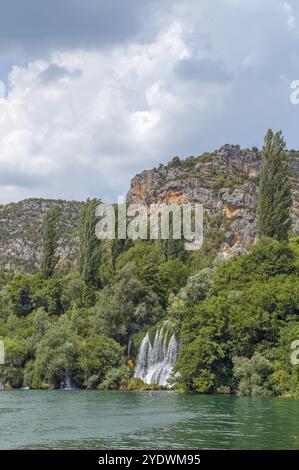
(291, 19)
(82, 122)
(98, 121)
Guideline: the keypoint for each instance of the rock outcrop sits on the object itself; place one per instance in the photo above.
(20, 232)
(225, 182)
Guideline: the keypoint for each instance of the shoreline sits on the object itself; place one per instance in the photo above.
(231, 395)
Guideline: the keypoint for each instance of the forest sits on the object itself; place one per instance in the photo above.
(235, 320)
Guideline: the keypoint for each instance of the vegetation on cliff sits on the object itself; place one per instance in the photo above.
(236, 319)
(275, 197)
(238, 338)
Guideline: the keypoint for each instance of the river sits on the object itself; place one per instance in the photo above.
(145, 420)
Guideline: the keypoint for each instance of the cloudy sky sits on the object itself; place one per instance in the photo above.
(94, 91)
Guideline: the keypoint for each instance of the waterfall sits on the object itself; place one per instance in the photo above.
(154, 363)
(2, 353)
(67, 383)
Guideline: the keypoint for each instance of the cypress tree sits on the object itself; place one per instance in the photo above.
(50, 235)
(274, 197)
(89, 245)
(173, 248)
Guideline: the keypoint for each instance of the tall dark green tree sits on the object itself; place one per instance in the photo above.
(173, 248)
(274, 198)
(90, 246)
(50, 235)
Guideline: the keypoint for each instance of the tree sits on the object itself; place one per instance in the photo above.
(251, 300)
(253, 375)
(148, 263)
(48, 295)
(268, 258)
(16, 355)
(20, 291)
(56, 357)
(126, 306)
(274, 198)
(197, 287)
(90, 246)
(176, 274)
(116, 378)
(50, 237)
(97, 356)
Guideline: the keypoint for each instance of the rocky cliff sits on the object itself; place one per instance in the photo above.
(20, 232)
(225, 182)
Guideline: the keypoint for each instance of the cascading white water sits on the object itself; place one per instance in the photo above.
(67, 383)
(154, 363)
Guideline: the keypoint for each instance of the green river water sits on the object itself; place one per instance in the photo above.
(144, 420)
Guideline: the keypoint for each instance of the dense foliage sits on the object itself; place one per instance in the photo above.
(77, 324)
(238, 338)
(50, 238)
(274, 199)
(236, 320)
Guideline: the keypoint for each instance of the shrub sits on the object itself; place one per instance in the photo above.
(253, 375)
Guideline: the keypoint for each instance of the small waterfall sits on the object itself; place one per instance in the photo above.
(67, 383)
(2, 353)
(154, 363)
(24, 386)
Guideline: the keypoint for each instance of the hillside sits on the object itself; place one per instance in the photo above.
(139, 316)
(225, 182)
(20, 232)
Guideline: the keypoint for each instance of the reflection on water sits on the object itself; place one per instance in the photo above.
(148, 420)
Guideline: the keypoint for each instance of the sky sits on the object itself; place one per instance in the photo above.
(93, 92)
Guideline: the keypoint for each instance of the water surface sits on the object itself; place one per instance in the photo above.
(148, 420)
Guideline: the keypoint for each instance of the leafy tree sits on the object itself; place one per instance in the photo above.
(253, 375)
(175, 273)
(56, 357)
(268, 258)
(285, 377)
(126, 306)
(50, 236)
(19, 293)
(97, 356)
(274, 198)
(148, 267)
(197, 287)
(174, 249)
(33, 329)
(116, 378)
(201, 350)
(16, 354)
(80, 321)
(89, 246)
(252, 299)
(73, 292)
(49, 296)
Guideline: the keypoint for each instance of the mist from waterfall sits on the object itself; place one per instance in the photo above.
(154, 363)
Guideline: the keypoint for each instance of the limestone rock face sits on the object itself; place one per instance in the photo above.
(20, 232)
(225, 182)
